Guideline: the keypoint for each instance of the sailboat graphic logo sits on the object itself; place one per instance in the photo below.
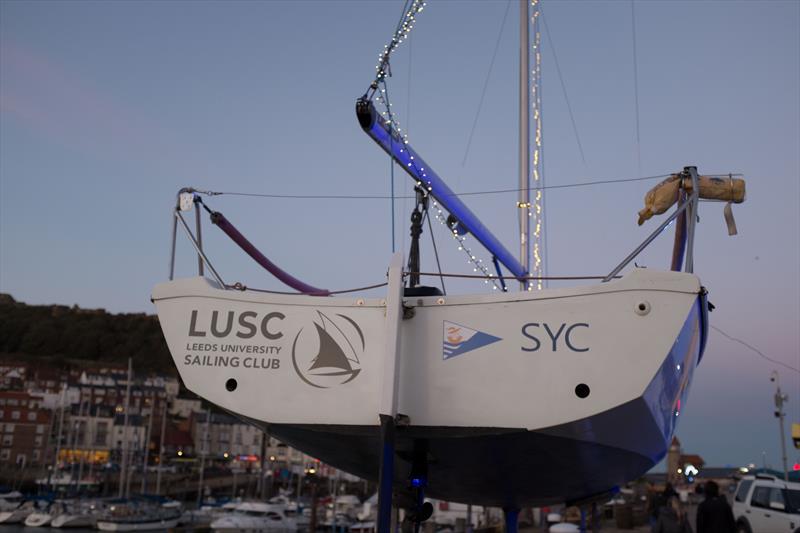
(335, 343)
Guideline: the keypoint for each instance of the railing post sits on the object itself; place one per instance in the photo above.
(692, 218)
(198, 225)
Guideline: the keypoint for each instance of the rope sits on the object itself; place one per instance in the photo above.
(240, 287)
(564, 89)
(756, 350)
(526, 278)
(485, 84)
(472, 193)
(435, 251)
(636, 88)
(391, 167)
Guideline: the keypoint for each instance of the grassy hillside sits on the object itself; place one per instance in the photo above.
(68, 335)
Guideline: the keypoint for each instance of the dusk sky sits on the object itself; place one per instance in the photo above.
(108, 108)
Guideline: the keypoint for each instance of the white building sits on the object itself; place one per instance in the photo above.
(225, 435)
(185, 407)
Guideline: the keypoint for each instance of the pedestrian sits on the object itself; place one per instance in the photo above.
(714, 515)
(672, 518)
(659, 500)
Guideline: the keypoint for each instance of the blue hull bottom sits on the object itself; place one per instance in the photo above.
(511, 467)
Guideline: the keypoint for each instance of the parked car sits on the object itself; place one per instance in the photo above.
(766, 504)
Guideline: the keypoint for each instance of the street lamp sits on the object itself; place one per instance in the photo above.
(779, 414)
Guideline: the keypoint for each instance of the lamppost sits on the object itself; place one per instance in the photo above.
(779, 414)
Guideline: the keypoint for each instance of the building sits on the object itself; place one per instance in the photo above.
(185, 407)
(225, 437)
(88, 435)
(131, 437)
(24, 429)
(12, 375)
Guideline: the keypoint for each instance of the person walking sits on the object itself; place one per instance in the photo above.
(714, 515)
(672, 518)
(658, 501)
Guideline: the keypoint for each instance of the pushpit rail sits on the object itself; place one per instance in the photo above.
(188, 198)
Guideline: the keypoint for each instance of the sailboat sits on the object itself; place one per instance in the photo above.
(505, 399)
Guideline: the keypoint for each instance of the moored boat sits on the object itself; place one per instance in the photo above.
(139, 515)
(74, 514)
(255, 517)
(10, 500)
(21, 513)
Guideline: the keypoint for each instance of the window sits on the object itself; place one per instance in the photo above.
(744, 488)
(2, 414)
(9, 428)
(793, 500)
(101, 434)
(39, 429)
(4, 455)
(38, 441)
(13, 401)
(14, 415)
(32, 416)
(36, 455)
(2, 401)
(8, 440)
(760, 497)
(776, 496)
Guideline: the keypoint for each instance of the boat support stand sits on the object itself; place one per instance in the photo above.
(511, 515)
(388, 407)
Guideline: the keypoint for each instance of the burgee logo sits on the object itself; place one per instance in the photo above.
(458, 339)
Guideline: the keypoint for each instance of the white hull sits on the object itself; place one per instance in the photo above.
(105, 525)
(38, 519)
(536, 387)
(14, 517)
(251, 524)
(74, 520)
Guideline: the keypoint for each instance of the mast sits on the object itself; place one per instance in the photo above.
(147, 448)
(124, 458)
(531, 164)
(524, 199)
(161, 445)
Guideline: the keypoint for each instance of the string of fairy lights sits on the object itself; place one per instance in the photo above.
(401, 33)
(381, 96)
(535, 206)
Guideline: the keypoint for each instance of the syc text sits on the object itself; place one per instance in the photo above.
(554, 334)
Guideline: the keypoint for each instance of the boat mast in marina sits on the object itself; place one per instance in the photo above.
(161, 446)
(524, 143)
(124, 463)
(530, 154)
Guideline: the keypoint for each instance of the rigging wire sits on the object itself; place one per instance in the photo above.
(391, 167)
(563, 88)
(435, 251)
(486, 84)
(636, 88)
(471, 193)
(756, 350)
(407, 183)
(543, 200)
